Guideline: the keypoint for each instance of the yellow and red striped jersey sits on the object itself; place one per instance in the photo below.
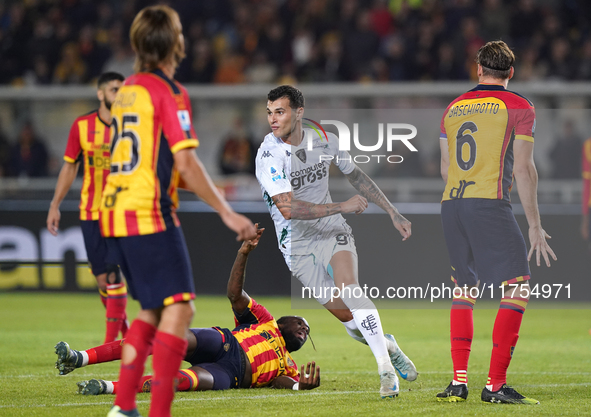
(586, 176)
(258, 334)
(151, 121)
(89, 139)
(480, 127)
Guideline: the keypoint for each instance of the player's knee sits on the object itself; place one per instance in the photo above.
(344, 316)
(180, 313)
(206, 380)
(356, 299)
(101, 282)
(113, 274)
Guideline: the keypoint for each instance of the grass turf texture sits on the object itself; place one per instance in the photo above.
(552, 363)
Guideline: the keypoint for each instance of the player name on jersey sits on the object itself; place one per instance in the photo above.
(476, 108)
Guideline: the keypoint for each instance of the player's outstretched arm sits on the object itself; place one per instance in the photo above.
(291, 208)
(308, 380)
(64, 182)
(368, 189)
(197, 180)
(526, 176)
(235, 289)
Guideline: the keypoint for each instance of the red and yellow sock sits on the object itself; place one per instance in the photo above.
(116, 303)
(505, 335)
(104, 296)
(187, 380)
(461, 334)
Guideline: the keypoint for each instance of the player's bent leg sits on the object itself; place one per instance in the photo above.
(204, 345)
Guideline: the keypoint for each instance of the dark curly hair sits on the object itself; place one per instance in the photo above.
(295, 96)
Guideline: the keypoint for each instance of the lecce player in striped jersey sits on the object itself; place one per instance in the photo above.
(89, 144)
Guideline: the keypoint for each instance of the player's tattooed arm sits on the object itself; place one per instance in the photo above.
(368, 189)
(291, 208)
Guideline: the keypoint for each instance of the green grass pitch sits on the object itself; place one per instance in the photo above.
(552, 363)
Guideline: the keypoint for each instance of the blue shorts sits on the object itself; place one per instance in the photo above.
(219, 353)
(484, 242)
(156, 267)
(96, 246)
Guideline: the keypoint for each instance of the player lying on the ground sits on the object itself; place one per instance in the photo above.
(255, 354)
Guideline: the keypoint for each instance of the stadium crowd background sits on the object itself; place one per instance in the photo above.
(70, 42)
(236, 41)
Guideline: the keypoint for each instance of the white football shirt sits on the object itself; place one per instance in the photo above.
(282, 168)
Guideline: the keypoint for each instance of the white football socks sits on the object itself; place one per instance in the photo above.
(367, 320)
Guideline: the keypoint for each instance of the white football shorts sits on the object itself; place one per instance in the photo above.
(314, 270)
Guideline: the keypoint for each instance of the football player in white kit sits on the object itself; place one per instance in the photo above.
(314, 238)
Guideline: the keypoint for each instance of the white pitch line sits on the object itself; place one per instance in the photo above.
(266, 396)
